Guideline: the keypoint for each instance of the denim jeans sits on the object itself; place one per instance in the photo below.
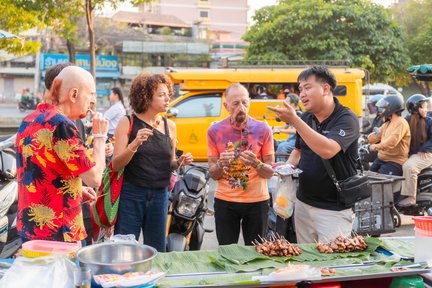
(143, 209)
(389, 167)
(285, 146)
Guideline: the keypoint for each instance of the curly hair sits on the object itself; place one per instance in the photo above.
(142, 90)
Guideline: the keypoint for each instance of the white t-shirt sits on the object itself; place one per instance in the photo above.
(113, 115)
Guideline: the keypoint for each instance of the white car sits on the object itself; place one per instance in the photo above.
(378, 88)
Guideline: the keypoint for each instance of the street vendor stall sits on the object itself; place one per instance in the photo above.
(384, 259)
(242, 266)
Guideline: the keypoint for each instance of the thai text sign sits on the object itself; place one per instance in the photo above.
(103, 63)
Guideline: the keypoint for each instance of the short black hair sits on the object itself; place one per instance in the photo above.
(52, 72)
(321, 73)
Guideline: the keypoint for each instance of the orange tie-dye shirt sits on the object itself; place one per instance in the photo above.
(260, 139)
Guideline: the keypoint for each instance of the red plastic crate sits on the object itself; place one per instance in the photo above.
(423, 225)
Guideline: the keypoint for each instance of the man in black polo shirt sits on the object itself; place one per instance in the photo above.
(318, 215)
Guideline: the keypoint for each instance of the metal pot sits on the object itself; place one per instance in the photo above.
(116, 258)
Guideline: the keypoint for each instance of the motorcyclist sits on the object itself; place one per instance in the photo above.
(372, 108)
(394, 137)
(286, 146)
(367, 158)
(420, 147)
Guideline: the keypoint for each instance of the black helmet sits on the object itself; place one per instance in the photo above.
(390, 105)
(371, 105)
(415, 102)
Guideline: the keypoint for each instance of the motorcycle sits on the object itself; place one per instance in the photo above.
(29, 103)
(185, 223)
(10, 241)
(423, 204)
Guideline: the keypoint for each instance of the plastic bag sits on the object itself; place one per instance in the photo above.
(285, 198)
(41, 272)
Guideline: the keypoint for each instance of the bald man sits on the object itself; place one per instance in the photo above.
(241, 195)
(52, 161)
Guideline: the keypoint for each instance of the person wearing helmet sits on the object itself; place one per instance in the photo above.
(393, 137)
(286, 146)
(378, 120)
(376, 123)
(420, 147)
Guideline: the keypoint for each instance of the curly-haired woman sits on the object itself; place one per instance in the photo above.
(148, 156)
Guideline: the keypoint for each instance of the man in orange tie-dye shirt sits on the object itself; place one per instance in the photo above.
(241, 152)
(52, 161)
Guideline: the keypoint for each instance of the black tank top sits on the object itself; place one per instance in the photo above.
(151, 164)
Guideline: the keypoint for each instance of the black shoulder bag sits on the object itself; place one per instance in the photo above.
(352, 189)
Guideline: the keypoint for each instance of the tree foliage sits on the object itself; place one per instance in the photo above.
(416, 25)
(354, 30)
(15, 19)
(60, 16)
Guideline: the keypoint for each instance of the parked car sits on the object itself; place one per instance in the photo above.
(375, 89)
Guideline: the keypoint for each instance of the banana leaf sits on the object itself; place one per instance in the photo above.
(250, 266)
(240, 255)
(402, 247)
(202, 281)
(186, 262)
(361, 270)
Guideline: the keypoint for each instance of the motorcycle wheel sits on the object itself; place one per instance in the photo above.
(21, 108)
(397, 220)
(194, 244)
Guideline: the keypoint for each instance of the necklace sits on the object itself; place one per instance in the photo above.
(154, 122)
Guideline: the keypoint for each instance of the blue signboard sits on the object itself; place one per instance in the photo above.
(103, 63)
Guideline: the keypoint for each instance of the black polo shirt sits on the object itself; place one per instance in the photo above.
(315, 185)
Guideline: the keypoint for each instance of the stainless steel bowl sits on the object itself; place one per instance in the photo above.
(116, 257)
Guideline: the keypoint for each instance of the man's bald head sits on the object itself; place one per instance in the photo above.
(236, 88)
(74, 91)
(71, 77)
(237, 103)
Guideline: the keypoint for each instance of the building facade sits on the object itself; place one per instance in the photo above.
(224, 20)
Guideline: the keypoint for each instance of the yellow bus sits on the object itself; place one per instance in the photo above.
(202, 94)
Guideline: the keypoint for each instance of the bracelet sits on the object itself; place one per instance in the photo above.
(130, 149)
(96, 136)
(259, 165)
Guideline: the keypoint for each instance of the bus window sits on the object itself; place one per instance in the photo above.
(340, 90)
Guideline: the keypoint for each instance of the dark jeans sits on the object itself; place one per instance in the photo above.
(145, 209)
(389, 168)
(229, 216)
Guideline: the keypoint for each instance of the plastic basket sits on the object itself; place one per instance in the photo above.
(423, 225)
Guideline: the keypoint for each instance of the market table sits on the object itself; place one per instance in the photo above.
(236, 265)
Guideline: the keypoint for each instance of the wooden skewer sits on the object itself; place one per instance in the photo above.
(92, 112)
(88, 201)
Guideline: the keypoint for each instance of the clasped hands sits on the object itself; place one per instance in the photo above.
(247, 157)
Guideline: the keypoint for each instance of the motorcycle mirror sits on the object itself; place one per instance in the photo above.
(172, 112)
(429, 211)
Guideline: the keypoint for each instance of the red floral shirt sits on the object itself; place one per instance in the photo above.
(50, 158)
